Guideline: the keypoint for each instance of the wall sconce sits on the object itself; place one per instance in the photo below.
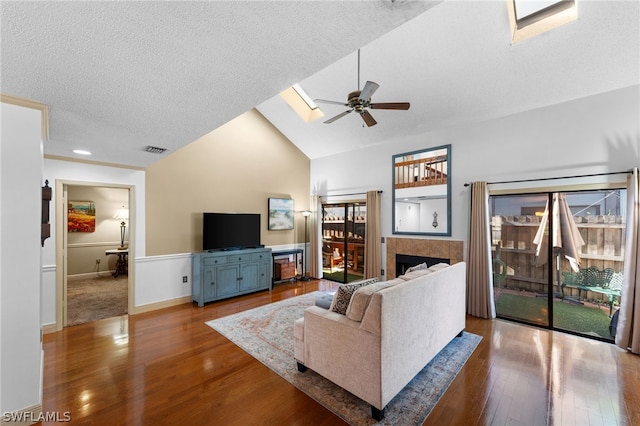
(435, 219)
(122, 215)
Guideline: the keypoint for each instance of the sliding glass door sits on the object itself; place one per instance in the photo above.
(343, 231)
(558, 259)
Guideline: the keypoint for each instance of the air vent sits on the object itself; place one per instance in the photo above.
(155, 149)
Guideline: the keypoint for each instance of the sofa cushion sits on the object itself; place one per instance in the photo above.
(438, 266)
(362, 296)
(343, 295)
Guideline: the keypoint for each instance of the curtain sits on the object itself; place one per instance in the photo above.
(372, 237)
(479, 286)
(628, 329)
(315, 220)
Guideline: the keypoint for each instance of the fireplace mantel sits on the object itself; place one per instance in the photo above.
(447, 249)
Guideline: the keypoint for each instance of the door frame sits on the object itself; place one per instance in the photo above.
(61, 245)
(351, 203)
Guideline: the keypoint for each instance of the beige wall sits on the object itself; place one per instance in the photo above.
(235, 168)
(85, 247)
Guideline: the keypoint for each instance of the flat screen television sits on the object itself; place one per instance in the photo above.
(227, 231)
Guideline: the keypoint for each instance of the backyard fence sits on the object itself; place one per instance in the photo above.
(514, 252)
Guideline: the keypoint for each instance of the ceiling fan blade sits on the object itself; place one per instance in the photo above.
(369, 88)
(390, 105)
(342, 114)
(324, 101)
(368, 118)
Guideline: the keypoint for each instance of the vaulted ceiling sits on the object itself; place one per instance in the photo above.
(119, 76)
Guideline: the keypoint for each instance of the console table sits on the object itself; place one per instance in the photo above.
(222, 274)
(287, 253)
(121, 263)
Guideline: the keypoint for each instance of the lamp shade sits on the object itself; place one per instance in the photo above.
(122, 214)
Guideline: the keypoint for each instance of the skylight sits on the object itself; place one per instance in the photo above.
(301, 103)
(529, 18)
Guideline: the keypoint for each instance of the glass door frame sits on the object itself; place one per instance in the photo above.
(554, 261)
(348, 230)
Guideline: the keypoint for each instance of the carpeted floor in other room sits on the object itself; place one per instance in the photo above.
(94, 298)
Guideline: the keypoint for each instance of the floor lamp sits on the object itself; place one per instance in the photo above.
(306, 214)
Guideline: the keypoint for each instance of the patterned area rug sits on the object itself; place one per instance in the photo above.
(267, 334)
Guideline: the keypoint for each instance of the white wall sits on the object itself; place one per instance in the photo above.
(20, 251)
(70, 172)
(596, 134)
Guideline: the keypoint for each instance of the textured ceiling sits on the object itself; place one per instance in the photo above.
(122, 75)
(456, 65)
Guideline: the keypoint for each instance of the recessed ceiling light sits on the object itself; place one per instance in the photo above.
(81, 152)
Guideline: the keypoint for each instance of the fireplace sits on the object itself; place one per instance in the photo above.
(450, 251)
(405, 261)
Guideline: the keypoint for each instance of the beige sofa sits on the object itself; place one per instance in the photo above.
(389, 332)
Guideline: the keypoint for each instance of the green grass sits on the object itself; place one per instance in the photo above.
(567, 316)
(339, 276)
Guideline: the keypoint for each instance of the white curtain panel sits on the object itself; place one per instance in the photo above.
(315, 222)
(372, 237)
(480, 300)
(628, 329)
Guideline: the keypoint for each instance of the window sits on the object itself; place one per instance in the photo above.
(529, 18)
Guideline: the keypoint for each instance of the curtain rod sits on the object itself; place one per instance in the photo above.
(555, 178)
(346, 195)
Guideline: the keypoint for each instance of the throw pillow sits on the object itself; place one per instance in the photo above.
(343, 295)
(415, 274)
(417, 268)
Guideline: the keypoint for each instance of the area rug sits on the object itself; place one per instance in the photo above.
(266, 333)
(94, 298)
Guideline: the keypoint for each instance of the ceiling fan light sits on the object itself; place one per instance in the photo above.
(301, 103)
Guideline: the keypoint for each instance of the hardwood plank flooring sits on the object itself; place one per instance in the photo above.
(167, 367)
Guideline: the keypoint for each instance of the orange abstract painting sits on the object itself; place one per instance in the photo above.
(81, 216)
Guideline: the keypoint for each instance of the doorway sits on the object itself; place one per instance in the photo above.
(572, 284)
(92, 260)
(343, 236)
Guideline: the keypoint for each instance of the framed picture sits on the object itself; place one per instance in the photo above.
(81, 216)
(280, 214)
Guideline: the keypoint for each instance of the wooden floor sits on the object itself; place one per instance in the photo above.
(167, 367)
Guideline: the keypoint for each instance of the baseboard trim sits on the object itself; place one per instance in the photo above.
(49, 328)
(90, 275)
(161, 305)
(26, 416)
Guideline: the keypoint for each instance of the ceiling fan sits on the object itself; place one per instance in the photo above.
(360, 101)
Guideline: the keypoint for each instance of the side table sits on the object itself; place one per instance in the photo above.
(121, 263)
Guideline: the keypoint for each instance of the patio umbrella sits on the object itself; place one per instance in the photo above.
(566, 238)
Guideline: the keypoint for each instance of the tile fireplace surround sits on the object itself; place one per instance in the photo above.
(446, 249)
